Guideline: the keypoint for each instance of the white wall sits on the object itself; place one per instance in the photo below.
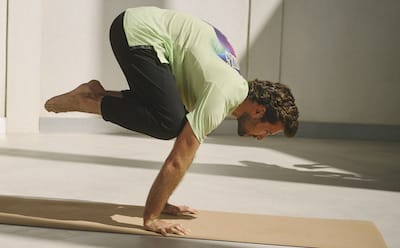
(3, 25)
(76, 45)
(342, 59)
(75, 38)
(77, 49)
(23, 66)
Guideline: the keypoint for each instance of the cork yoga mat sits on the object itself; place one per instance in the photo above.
(236, 227)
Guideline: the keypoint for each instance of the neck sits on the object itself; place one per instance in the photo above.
(241, 108)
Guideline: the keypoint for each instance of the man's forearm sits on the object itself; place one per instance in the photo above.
(171, 173)
(168, 178)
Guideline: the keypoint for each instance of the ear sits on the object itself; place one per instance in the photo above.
(259, 111)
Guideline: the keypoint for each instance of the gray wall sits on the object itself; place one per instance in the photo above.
(342, 59)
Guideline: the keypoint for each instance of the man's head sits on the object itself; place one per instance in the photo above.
(273, 110)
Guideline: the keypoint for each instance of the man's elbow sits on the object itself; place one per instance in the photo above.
(176, 165)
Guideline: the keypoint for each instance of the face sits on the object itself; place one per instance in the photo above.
(253, 127)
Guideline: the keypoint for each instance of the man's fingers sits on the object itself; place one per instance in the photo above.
(177, 231)
(165, 228)
(174, 229)
(180, 230)
(163, 232)
(187, 210)
(179, 210)
(193, 211)
(183, 229)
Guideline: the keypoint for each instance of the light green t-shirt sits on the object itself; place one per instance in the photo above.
(202, 60)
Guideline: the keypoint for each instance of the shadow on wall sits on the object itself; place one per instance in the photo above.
(363, 174)
(264, 41)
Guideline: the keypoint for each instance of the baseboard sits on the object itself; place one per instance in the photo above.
(349, 131)
(78, 125)
(320, 130)
(228, 127)
(98, 125)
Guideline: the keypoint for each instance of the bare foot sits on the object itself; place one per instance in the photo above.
(96, 87)
(72, 101)
(91, 87)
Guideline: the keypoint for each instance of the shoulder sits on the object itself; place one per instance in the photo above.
(233, 86)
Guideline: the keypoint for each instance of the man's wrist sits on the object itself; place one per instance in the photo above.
(148, 222)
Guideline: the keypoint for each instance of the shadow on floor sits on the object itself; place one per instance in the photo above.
(68, 213)
(376, 162)
(380, 177)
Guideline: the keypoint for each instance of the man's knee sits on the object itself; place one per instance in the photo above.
(170, 130)
(167, 135)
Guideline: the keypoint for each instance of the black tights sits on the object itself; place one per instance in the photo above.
(152, 105)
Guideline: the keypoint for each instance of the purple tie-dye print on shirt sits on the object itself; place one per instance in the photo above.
(225, 50)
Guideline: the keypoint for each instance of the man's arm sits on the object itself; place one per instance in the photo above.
(170, 175)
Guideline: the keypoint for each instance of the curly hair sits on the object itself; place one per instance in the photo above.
(279, 102)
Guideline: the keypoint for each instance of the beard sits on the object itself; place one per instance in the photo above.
(242, 120)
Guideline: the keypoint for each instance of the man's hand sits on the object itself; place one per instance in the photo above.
(179, 210)
(165, 228)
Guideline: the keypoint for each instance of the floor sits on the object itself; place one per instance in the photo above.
(340, 179)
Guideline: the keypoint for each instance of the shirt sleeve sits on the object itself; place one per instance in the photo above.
(209, 112)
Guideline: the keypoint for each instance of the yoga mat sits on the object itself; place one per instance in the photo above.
(223, 226)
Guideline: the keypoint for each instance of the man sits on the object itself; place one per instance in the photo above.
(183, 81)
